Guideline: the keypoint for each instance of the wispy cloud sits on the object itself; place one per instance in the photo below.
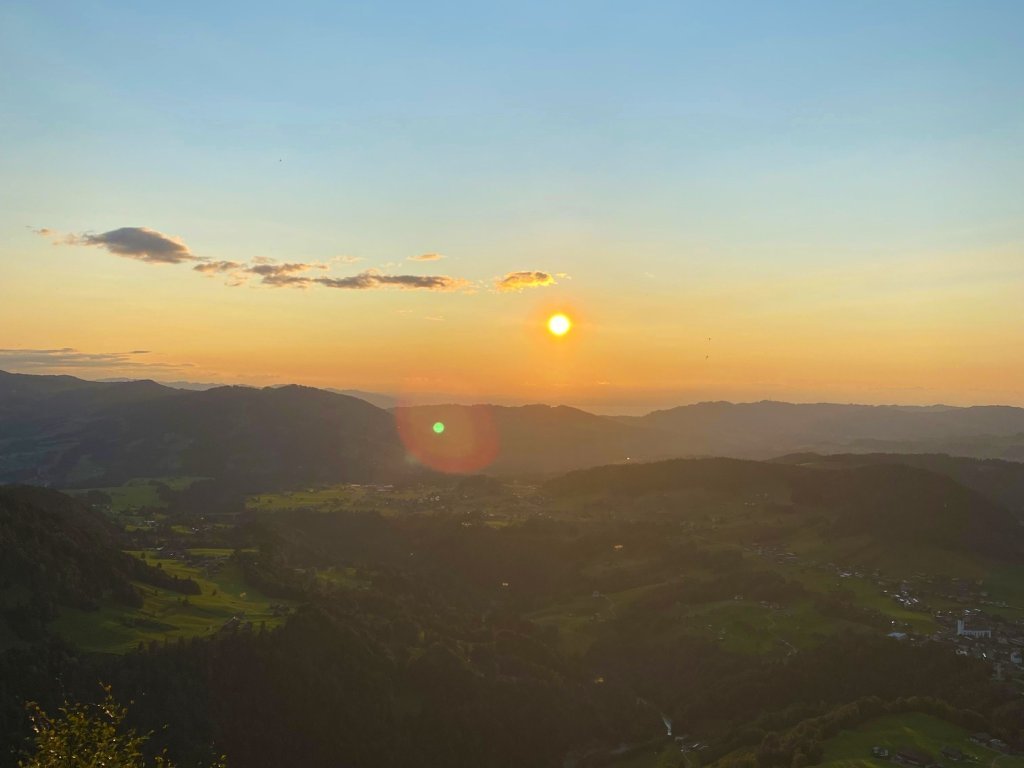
(427, 257)
(293, 275)
(217, 267)
(371, 279)
(517, 281)
(67, 357)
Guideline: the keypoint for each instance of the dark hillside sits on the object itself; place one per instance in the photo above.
(89, 434)
(55, 552)
(893, 505)
(1000, 481)
(543, 438)
(906, 505)
(264, 436)
(731, 475)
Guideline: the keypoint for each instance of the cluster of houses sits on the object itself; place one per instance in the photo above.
(905, 756)
(970, 630)
(984, 740)
(974, 633)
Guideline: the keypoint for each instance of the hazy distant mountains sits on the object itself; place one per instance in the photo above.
(67, 432)
(766, 429)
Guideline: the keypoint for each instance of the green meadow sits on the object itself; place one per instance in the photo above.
(166, 615)
(667, 756)
(139, 492)
(852, 748)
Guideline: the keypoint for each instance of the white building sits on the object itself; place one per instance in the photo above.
(963, 630)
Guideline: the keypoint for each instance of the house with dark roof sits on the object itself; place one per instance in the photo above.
(914, 757)
(952, 753)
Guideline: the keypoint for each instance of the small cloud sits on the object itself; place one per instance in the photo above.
(372, 279)
(268, 268)
(139, 243)
(285, 280)
(346, 259)
(435, 318)
(269, 271)
(215, 267)
(517, 281)
(427, 257)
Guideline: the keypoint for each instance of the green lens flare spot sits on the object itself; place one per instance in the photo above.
(438, 427)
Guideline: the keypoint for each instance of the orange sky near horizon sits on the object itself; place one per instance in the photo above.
(874, 334)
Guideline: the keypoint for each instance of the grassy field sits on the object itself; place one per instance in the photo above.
(576, 620)
(326, 499)
(343, 497)
(668, 756)
(1006, 584)
(348, 578)
(866, 594)
(852, 749)
(362, 498)
(138, 493)
(747, 627)
(167, 615)
(741, 626)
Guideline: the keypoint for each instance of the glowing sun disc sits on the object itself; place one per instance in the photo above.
(559, 324)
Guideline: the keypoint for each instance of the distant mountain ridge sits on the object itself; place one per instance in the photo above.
(770, 428)
(67, 432)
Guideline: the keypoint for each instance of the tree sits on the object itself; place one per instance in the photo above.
(89, 736)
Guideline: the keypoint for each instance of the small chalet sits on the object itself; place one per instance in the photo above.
(914, 757)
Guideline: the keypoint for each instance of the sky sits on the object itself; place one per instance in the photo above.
(803, 201)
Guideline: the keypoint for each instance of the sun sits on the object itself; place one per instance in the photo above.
(559, 324)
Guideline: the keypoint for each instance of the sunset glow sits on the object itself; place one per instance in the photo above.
(779, 231)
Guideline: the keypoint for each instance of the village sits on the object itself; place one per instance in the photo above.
(971, 621)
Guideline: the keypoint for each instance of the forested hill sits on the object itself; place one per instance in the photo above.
(67, 432)
(55, 552)
(896, 508)
(998, 480)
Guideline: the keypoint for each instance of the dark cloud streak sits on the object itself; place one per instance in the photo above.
(154, 247)
(67, 357)
(371, 279)
(139, 243)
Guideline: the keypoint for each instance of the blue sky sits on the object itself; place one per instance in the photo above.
(692, 142)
